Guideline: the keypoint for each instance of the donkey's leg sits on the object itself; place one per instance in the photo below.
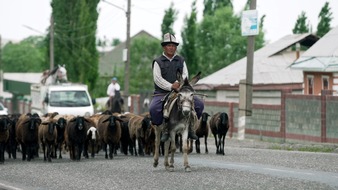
(157, 145)
(173, 148)
(185, 151)
(166, 154)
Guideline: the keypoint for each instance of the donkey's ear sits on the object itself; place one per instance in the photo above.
(195, 79)
(179, 76)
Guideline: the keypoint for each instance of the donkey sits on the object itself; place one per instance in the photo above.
(181, 117)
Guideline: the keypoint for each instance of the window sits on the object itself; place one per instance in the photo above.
(310, 84)
(325, 82)
(69, 99)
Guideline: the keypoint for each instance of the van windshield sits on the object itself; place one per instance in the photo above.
(69, 99)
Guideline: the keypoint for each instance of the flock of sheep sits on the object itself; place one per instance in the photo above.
(81, 136)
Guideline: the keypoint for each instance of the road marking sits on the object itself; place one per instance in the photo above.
(8, 187)
(288, 171)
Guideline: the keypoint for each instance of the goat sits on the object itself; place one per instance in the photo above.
(202, 131)
(219, 125)
(48, 137)
(5, 123)
(140, 130)
(75, 136)
(27, 134)
(109, 128)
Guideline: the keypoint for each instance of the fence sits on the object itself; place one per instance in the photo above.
(311, 118)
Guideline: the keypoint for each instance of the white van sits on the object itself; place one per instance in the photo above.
(64, 98)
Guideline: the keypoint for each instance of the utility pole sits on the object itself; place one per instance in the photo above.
(126, 57)
(245, 87)
(126, 70)
(51, 43)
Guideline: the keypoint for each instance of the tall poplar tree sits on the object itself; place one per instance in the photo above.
(325, 17)
(188, 48)
(210, 6)
(301, 25)
(74, 39)
(169, 19)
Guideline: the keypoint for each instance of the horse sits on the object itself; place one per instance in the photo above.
(58, 73)
(180, 118)
(115, 104)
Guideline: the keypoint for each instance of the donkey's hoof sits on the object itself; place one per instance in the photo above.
(155, 164)
(187, 169)
(170, 168)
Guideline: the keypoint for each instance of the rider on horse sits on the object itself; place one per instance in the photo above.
(112, 91)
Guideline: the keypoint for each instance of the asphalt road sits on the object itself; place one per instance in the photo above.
(245, 165)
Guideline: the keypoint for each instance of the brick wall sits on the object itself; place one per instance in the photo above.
(311, 118)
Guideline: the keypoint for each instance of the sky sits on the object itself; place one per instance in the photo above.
(20, 19)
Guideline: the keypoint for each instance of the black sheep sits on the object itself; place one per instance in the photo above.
(12, 143)
(202, 131)
(75, 136)
(5, 123)
(60, 129)
(219, 125)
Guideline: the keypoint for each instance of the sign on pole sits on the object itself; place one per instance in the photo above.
(249, 23)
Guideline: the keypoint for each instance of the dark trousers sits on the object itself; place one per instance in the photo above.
(156, 108)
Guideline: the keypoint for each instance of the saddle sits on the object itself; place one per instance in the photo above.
(168, 103)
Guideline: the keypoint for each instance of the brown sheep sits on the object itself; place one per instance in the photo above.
(27, 134)
(140, 130)
(5, 123)
(48, 137)
(46, 116)
(109, 128)
(219, 125)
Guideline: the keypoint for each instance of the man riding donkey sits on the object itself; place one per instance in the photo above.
(164, 73)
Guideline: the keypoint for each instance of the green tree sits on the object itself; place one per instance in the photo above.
(301, 25)
(26, 56)
(210, 6)
(169, 18)
(188, 48)
(75, 40)
(115, 42)
(325, 17)
(141, 59)
(219, 40)
(259, 40)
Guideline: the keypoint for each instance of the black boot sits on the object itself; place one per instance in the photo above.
(165, 136)
(192, 135)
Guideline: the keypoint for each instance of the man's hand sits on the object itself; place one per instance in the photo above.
(175, 86)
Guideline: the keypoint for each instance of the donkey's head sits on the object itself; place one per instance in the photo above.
(186, 92)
